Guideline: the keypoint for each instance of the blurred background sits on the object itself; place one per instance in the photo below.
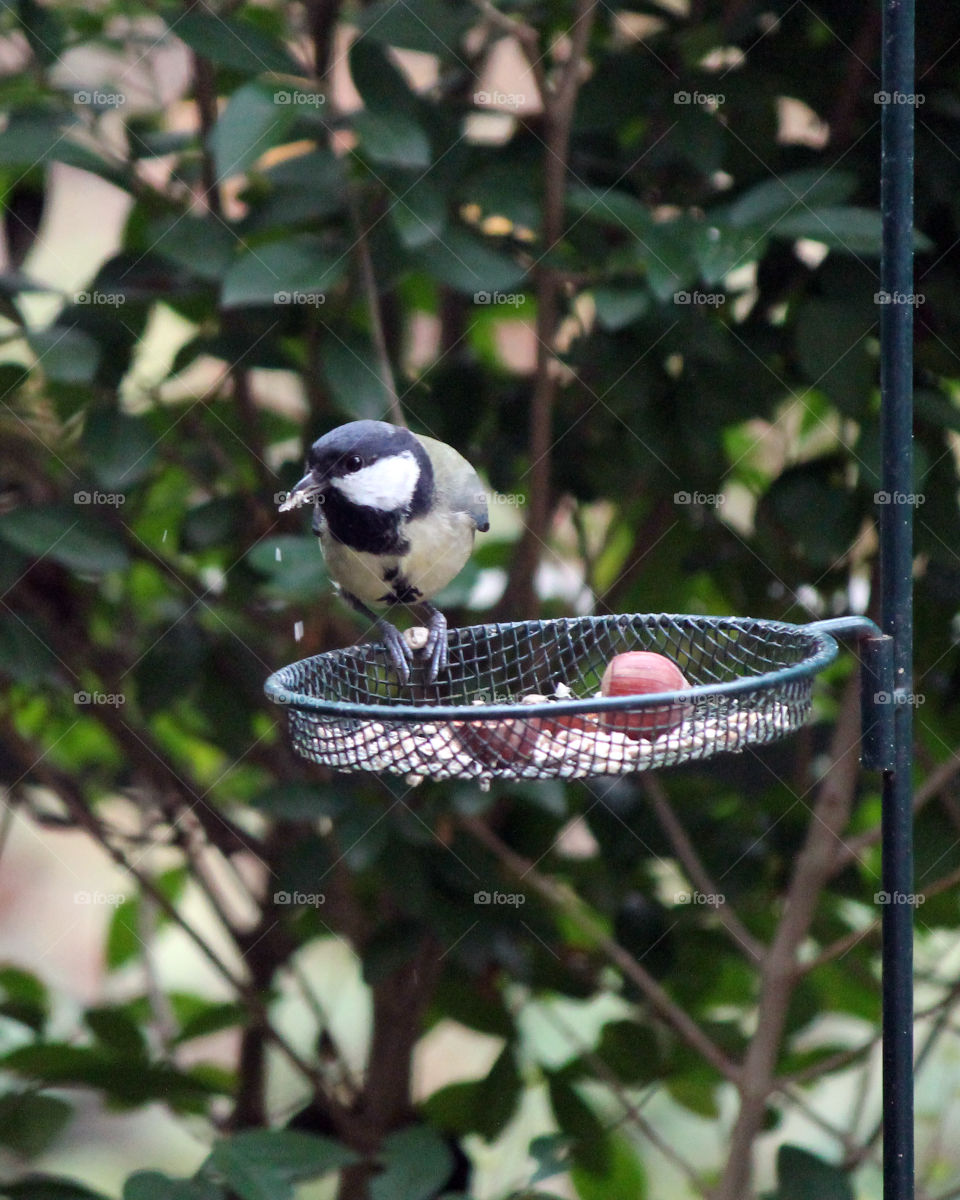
(626, 260)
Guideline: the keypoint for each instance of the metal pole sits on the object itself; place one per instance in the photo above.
(896, 555)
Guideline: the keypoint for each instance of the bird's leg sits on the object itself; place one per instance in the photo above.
(400, 653)
(435, 650)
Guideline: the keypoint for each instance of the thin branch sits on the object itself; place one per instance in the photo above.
(941, 778)
(840, 947)
(563, 900)
(696, 871)
(528, 39)
(559, 104)
(369, 283)
(779, 973)
(630, 1110)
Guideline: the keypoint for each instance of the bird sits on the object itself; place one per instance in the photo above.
(396, 514)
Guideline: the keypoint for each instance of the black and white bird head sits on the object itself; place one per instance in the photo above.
(369, 465)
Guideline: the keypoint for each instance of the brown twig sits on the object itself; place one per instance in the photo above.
(779, 970)
(559, 103)
(630, 1110)
(526, 36)
(696, 872)
(944, 775)
(368, 282)
(562, 899)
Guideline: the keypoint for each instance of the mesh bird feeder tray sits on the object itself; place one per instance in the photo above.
(522, 700)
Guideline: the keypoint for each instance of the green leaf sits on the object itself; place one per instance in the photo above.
(120, 449)
(251, 124)
(834, 353)
(127, 1081)
(419, 215)
(465, 263)
(418, 1162)
(215, 523)
(853, 230)
(292, 801)
(394, 139)
(49, 1187)
(212, 1018)
(33, 137)
(316, 171)
(631, 1051)
(123, 940)
(30, 1122)
(293, 566)
(478, 1009)
(695, 1093)
(234, 43)
(44, 30)
(24, 653)
(382, 86)
(268, 274)
(24, 997)
(803, 1176)
(483, 1106)
(65, 355)
(719, 250)
(68, 535)
(432, 26)
(347, 365)
(154, 1185)
(581, 1124)
(611, 207)
(623, 1175)
(116, 1030)
(551, 1152)
(619, 306)
(264, 1164)
(201, 246)
(766, 203)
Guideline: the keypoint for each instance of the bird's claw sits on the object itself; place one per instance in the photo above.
(400, 653)
(435, 650)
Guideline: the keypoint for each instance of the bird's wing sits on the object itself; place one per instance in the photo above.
(458, 485)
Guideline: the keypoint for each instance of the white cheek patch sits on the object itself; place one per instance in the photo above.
(388, 484)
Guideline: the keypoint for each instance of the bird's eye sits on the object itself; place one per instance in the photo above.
(353, 462)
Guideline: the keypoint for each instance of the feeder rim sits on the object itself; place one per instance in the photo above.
(824, 653)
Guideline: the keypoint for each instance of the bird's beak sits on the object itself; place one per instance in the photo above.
(303, 492)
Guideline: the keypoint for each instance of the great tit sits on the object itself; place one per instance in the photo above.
(396, 515)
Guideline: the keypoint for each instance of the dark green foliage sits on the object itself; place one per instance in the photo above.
(715, 447)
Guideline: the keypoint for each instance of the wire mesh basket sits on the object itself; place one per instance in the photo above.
(522, 700)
